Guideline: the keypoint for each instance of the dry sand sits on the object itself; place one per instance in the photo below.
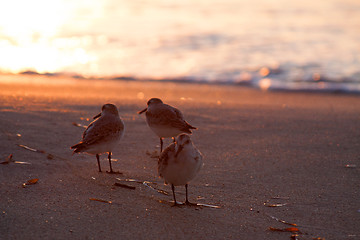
(301, 147)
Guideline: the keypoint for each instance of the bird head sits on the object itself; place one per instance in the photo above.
(107, 109)
(151, 101)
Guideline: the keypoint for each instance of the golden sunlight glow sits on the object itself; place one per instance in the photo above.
(264, 71)
(140, 95)
(28, 20)
(27, 36)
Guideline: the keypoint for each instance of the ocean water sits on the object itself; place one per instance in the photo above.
(268, 44)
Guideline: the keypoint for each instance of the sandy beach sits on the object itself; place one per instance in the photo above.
(271, 158)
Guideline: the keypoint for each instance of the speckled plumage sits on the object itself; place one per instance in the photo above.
(180, 162)
(103, 134)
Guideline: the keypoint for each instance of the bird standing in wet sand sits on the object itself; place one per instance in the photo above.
(102, 135)
(165, 121)
(179, 163)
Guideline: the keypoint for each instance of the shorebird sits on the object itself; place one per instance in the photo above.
(102, 135)
(179, 163)
(165, 121)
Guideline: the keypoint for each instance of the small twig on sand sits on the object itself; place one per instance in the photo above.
(49, 155)
(31, 149)
(100, 200)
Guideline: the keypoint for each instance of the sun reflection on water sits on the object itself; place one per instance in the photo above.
(265, 84)
(210, 40)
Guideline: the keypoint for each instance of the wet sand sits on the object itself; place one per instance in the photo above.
(299, 153)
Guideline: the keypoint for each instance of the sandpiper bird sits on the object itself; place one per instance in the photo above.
(179, 163)
(165, 120)
(102, 135)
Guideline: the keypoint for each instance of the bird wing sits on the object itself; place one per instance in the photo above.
(184, 124)
(199, 157)
(168, 115)
(88, 129)
(100, 129)
(164, 158)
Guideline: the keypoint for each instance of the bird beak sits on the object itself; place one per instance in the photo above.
(142, 111)
(97, 116)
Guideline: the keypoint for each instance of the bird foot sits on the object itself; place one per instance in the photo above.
(177, 204)
(191, 204)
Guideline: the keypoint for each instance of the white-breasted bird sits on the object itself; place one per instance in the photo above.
(179, 163)
(102, 135)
